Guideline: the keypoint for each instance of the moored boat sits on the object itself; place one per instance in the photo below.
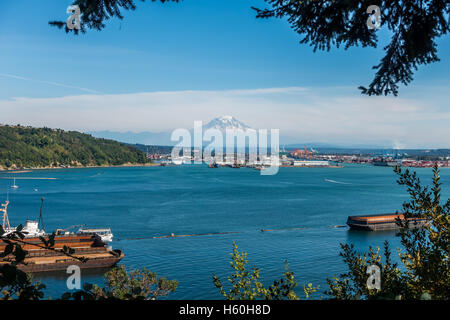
(40, 259)
(14, 186)
(104, 234)
(87, 244)
(378, 222)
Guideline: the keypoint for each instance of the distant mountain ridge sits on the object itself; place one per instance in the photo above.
(146, 137)
(223, 123)
(163, 138)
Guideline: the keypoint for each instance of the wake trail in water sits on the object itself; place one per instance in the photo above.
(172, 235)
(334, 181)
(96, 175)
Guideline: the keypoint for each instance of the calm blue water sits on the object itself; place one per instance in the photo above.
(141, 203)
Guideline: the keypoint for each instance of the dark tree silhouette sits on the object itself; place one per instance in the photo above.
(415, 27)
(95, 12)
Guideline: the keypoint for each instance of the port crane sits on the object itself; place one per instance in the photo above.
(74, 226)
(305, 153)
(62, 231)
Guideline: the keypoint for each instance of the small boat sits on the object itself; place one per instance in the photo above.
(88, 244)
(177, 162)
(378, 222)
(14, 186)
(31, 229)
(104, 234)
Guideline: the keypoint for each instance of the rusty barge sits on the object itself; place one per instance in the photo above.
(378, 222)
(40, 259)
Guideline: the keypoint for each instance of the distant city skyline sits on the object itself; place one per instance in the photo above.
(167, 65)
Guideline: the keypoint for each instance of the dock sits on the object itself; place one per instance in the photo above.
(40, 259)
(89, 247)
(379, 222)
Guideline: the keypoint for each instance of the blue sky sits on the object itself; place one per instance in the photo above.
(204, 50)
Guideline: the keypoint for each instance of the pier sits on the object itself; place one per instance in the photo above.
(379, 222)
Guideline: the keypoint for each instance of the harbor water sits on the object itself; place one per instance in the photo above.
(304, 211)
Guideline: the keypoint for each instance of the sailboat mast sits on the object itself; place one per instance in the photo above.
(14, 186)
(41, 218)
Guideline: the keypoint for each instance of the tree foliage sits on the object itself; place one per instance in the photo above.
(96, 12)
(415, 27)
(352, 285)
(425, 270)
(122, 285)
(44, 147)
(426, 251)
(246, 285)
(14, 283)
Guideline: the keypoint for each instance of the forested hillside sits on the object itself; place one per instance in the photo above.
(44, 147)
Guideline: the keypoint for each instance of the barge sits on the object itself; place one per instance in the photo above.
(378, 222)
(88, 245)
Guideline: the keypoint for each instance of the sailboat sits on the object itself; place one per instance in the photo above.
(14, 186)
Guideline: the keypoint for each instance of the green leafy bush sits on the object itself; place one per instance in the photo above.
(425, 270)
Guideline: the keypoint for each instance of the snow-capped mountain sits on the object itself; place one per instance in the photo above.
(164, 138)
(226, 122)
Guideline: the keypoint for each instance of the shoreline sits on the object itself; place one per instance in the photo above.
(28, 170)
(329, 166)
(157, 164)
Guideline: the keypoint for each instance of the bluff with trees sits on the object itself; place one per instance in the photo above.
(44, 147)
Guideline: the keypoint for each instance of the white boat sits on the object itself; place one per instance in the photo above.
(104, 234)
(177, 162)
(30, 230)
(14, 186)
